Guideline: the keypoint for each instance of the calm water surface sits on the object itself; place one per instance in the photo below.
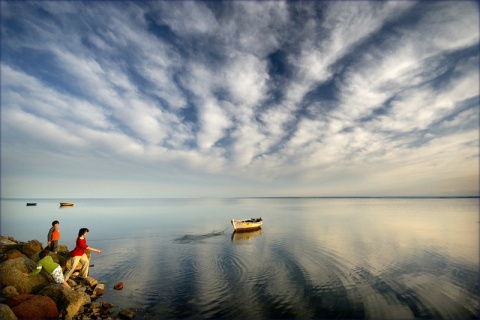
(314, 258)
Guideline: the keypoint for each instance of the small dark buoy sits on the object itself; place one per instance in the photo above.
(118, 286)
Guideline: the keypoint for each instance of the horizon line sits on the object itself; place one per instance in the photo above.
(252, 197)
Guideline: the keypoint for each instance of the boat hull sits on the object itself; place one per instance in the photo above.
(247, 224)
(66, 204)
(30, 204)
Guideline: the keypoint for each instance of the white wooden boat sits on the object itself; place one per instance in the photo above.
(247, 224)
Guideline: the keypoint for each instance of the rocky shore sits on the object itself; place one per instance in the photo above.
(39, 297)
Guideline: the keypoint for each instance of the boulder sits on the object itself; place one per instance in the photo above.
(7, 240)
(71, 282)
(12, 254)
(67, 300)
(35, 257)
(12, 270)
(31, 247)
(9, 292)
(90, 281)
(60, 260)
(96, 310)
(29, 306)
(118, 286)
(8, 243)
(99, 289)
(126, 314)
(62, 249)
(6, 313)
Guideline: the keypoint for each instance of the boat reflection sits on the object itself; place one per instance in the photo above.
(246, 235)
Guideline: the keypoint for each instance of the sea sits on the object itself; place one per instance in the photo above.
(321, 258)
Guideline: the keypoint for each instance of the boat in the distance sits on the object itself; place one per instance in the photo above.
(66, 204)
(30, 204)
(247, 224)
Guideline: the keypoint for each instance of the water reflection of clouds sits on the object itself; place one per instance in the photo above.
(356, 257)
(385, 232)
(441, 294)
(313, 258)
(380, 246)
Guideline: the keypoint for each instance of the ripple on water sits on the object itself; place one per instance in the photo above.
(215, 277)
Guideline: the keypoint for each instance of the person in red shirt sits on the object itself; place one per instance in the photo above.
(78, 255)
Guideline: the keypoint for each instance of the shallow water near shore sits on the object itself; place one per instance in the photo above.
(313, 258)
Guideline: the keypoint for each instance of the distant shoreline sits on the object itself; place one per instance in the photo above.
(370, 197)
(259, 197)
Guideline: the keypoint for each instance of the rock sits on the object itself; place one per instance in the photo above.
(29, 306)
(10, 247)
(87, 298)
(126, 314)
(12, 239)
(71, 283)
(67, 300)
(90, 281)
(60, 260)
(107, 305)
(7, 240)
(118, 286)
(12, 275)
(6, 313)
(8, 243)
(12, 254)
(99, 289)
(35, 257)
(31, 247)
(62, 249)
(53, 300)
(95, 310)
(9, 292)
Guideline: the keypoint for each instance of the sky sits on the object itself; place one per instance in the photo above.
(239, 99)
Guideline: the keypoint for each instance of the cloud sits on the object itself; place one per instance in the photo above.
(286, 96)
(246, 79)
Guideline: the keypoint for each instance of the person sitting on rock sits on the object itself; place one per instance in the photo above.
(78, 255)
(50, 266)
